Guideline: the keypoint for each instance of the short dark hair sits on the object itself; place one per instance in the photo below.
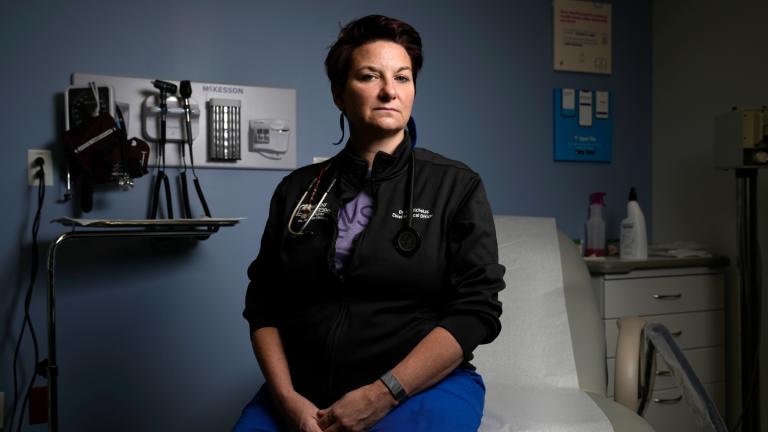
(367, 29)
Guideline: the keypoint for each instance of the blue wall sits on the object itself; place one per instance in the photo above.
(150, 336)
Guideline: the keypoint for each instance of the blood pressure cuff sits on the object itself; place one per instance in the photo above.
(99, 152)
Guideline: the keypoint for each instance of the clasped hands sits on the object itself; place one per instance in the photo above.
(356, 411)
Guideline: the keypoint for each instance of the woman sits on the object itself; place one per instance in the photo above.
(378, 271)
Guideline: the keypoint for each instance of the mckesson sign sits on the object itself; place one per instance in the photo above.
(222, 89)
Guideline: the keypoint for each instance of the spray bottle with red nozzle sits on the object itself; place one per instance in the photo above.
(596, 225)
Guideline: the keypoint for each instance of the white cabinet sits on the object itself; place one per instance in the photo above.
(689, 302)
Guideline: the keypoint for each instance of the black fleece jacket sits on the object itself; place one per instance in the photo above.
(342, 330)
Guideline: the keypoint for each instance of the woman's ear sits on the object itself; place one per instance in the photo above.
(337, 98)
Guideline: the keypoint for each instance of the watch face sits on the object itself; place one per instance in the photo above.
(81, 104)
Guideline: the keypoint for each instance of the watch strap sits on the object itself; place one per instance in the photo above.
(394, 386)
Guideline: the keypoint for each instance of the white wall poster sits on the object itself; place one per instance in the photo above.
(582, 36)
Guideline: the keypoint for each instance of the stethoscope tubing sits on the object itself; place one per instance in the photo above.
(410, 191)
(162, 178)
(301, 230)
(407, 240)
(183, 174)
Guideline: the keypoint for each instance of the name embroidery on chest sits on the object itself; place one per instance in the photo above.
(418, 213)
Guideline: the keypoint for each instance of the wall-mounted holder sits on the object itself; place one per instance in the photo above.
(224, 125)
(175, 130)
(741, 144)
(741, 138)
(256, 104)
(269, 137)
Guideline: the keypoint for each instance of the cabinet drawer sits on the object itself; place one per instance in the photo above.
(697, 329)
(652, 296)
(676, 416)
(708, 363)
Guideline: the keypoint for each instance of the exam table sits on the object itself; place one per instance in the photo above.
(546, 371)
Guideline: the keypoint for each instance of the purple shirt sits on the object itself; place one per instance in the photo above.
(353, 218)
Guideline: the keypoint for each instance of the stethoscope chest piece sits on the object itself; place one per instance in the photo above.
(407, 241)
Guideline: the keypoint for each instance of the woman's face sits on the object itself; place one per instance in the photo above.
(379, 92)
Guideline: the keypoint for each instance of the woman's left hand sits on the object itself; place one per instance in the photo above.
(357, 410)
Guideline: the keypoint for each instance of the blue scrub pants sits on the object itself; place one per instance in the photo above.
(454, 404)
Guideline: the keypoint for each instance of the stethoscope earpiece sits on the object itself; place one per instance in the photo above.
(407, 241)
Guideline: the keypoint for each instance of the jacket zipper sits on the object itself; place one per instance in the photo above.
(333, 334)
(333, 338)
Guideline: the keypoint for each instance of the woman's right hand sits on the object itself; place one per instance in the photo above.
(299, 413)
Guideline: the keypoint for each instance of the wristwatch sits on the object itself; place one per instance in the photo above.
(394, 386)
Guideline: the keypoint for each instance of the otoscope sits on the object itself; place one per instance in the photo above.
(165, 88)
(186, 92)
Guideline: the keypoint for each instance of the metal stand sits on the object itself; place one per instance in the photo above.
(750, 298)
(186, 228)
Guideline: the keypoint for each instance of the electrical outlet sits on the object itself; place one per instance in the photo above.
(32, 168)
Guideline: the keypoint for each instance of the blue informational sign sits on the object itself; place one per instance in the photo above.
(583, 125)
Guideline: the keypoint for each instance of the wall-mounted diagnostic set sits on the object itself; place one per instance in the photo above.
(232, 126)
(741, 139)
(741, 145)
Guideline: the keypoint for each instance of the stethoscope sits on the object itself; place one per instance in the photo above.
(407, 241)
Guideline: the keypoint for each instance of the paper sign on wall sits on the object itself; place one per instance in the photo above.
(583, 125)
(582, 36)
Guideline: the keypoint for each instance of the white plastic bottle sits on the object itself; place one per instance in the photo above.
(634, 238)
(596, 225)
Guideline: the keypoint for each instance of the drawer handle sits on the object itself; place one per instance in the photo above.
(676, 333)
(663, 373)
(667, 296)
(668, 401)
